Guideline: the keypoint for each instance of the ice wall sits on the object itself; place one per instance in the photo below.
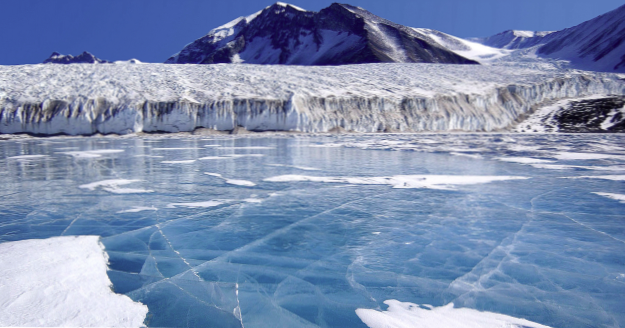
(89, 99)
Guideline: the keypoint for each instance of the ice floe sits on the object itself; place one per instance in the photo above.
(92, 153)
(410, 315)
(603, 177)
(136, 209)
(523, 160)
(232, 156)
(210, 203)
(303, 168)
(244, 183)
(27, 157)
(61, 281)
(113, 186)
(618, 197)
(585, 156)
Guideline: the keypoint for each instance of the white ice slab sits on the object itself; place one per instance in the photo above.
(603, 177)
(61, 281)
(136, 209)
(234, 156)
(26, 157)
(618, 197)
(303, 168)
(401, 181)
(210, 203)
(92, 153)
(409, 315)
(244, 183)
(113, 186)
(190, 161)
(583, 156)
(523, 160)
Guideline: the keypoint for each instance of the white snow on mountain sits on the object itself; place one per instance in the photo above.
(598, 44)
(595, 45)
(513, 39)
(465, 48)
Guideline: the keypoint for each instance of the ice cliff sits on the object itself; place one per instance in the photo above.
(84, 99)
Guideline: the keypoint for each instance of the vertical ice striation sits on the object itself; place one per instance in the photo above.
(89, 99)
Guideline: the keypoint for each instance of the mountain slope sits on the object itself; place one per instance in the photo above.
(337, 35)
(513, 39)
(597, 44)
(84, 58)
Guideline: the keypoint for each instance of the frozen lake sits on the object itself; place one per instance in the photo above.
(295, 231)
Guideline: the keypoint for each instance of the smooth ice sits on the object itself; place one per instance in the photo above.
(315, 231)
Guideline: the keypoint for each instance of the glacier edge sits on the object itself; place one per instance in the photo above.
(123, 107)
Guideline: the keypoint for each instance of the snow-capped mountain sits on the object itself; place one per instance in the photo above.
(513, 39)
(84, 58)
(597, 44)
(339, 34)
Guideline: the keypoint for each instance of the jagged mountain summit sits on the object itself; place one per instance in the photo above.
(339, 34)
(595, 45)
(513, 39)
(84, 58)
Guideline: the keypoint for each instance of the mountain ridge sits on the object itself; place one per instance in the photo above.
(336, 35)
(83, 58)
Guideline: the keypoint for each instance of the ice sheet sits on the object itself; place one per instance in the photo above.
(410, 315)
(61, 281)
(305, 254)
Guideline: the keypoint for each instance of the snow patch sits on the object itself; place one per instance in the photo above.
(618, 197)
(136, 209)
(92, 153)
(401, 181)
(210, 203)
(61, 281)
(27, 157)
(236, 182)
(410, 315)
(112, 186)
(523, 160)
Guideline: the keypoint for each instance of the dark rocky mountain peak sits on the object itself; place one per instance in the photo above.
(84, 58)
(336, 35)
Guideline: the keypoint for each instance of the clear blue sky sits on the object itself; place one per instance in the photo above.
(152, 30)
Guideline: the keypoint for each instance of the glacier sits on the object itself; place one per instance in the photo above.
(87, 99)
(305, 230)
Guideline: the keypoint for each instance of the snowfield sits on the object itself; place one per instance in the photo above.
(84, 99)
